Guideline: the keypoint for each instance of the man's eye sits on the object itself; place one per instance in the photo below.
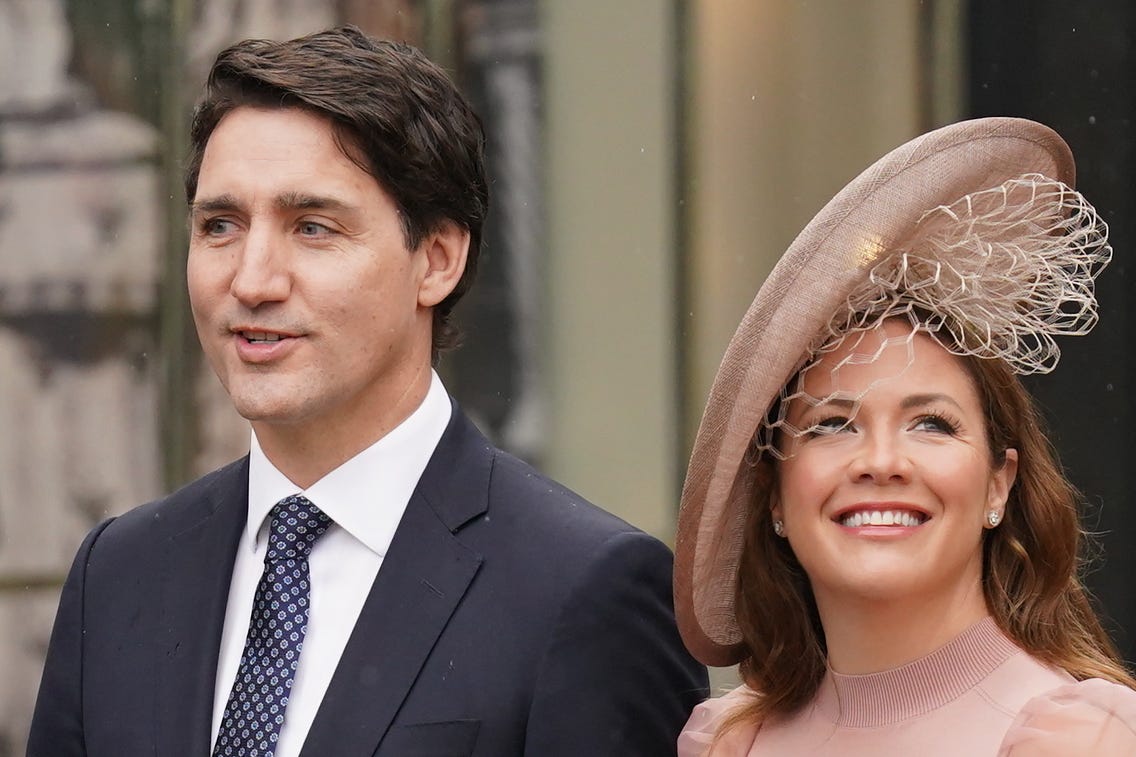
(313, 229)
(216, 226)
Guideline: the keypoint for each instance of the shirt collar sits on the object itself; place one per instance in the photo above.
(367, 495)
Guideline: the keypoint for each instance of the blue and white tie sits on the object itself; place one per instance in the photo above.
(255, 710)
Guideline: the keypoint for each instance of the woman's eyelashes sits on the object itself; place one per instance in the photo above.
(827, 426)
(936, 421)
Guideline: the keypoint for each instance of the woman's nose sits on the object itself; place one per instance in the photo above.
(881, 458)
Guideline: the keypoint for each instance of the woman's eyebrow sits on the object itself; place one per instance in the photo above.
(844, 403)
(921, 400)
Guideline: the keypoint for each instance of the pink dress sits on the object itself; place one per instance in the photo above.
(978, 695)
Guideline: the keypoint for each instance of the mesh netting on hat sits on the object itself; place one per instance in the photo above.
(996, 275)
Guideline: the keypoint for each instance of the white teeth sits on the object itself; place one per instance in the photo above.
(882, 518)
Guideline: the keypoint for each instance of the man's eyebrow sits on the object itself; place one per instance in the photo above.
(304, 201)
(285, 201)
(212, 204)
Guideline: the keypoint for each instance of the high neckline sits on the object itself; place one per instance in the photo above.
(918, 687)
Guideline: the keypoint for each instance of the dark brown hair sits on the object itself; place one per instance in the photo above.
(395, 114)
(1030, 571)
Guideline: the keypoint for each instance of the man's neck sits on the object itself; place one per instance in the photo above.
(305, 452)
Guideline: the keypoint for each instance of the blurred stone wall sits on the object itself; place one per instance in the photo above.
(79, 236)
(498, 375)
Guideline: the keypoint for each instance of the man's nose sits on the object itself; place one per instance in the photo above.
(262, 274)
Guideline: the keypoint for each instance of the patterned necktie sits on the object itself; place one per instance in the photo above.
(255, 710)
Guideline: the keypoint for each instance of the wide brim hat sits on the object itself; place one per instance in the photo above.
(866, 221)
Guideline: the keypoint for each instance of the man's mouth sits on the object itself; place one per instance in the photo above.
(259, 337)
(860, 518)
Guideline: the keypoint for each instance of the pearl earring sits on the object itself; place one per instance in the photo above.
(779, 528)
(994, 518)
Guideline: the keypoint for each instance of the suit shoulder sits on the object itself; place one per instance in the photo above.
(544, 505)
(521, 477)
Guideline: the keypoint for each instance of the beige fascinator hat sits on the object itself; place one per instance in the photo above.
(974, 226)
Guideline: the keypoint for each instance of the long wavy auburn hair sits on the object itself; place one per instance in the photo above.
(1031, 570)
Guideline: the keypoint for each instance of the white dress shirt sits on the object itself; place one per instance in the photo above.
(365, 497)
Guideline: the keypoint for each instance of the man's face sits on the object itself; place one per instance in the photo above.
(306, 299)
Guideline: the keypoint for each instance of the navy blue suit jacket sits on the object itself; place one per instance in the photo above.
(510, 617)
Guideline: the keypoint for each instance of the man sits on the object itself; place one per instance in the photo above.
(375, 577)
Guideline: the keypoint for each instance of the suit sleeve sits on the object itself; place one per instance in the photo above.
(57, 723)
(616, 679)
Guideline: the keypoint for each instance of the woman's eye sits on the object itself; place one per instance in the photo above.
(828, 426)
(937, 423)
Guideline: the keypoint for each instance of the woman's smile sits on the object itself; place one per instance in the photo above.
(885, 490)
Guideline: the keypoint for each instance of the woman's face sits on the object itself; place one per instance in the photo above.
(887, 500)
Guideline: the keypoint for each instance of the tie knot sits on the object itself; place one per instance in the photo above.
(296, 524)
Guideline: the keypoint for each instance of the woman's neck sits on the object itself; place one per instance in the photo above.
(866, 636)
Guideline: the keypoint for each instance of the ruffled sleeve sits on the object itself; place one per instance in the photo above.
(1089, 717)
(698, 735)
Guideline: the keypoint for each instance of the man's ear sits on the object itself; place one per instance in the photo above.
(445, 251)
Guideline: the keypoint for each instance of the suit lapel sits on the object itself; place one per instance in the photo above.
(424, 576)
(195, 589)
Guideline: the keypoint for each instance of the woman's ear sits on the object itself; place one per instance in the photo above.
(775, 505)
(1001, 481)
(445, 252)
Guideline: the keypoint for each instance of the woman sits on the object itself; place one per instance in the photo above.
(873, 524)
